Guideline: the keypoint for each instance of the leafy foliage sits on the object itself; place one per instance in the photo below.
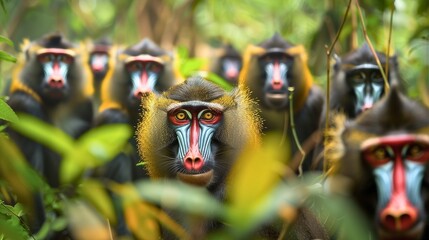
(3, 55)
(6, 113)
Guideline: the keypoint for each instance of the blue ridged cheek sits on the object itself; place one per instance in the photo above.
(414, 173)
(183, 134)
(205, 140)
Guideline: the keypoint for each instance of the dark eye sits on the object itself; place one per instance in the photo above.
(65, 58)
(133, 66)
(414, 151)
(154, 67)
(283, 58)
(380, 153)
(208, 115)
(357, 78)
(267, 59)
(44, 58)
(181, 115)
(377, 77)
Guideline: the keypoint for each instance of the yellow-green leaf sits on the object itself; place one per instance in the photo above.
(93, 149)
(6, 113)
(255, 174)
(85, 222)
(97, 195)
(141, 221)
(44, 133)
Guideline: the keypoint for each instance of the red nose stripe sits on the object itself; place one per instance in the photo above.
(143, 87)
(399, 214)
(56, 79)
(193, 158)
(276, 82)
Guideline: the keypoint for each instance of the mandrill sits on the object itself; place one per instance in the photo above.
(194, 132)
(140, 69)
(228, 64)
(358, 82)
(52, 83)
(270, 70)
(380, 159)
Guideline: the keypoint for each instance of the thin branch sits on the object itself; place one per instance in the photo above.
(292, 126)
(285, 128)
(365, 34)
(354, 37)
(110, 229)
(389, 38)
(328, 76)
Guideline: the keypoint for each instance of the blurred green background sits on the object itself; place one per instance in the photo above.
(201, 25)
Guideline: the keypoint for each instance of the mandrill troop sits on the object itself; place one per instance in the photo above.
(381, 161)
(194, 132)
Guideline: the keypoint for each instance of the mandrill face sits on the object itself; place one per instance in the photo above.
(398, 164)
(56, 63)
(194, 131)
(194, 124)
(385, 156)
(276, 69)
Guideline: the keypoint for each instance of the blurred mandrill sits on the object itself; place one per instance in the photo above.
(358, 83)
(381, 160)
(270, 69)
(228, 64)
(139, 70)
(195, 131)
(52, 83)
(101, 61)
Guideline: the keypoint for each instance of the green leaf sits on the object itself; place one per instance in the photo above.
(6, 112)
(6, 40)
(106, 141)
(15, 170)
(246, 191)
(44, 133)
(12, 231)
(182, 52)
(7, 57)
(93, 149)
(2, 128)
(173, 194)
(214, 78)
(188, 66)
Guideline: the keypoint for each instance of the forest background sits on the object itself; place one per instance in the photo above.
(194, 29)
(203, 25)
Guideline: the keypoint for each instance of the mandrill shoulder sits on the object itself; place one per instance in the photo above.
(315, 101)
